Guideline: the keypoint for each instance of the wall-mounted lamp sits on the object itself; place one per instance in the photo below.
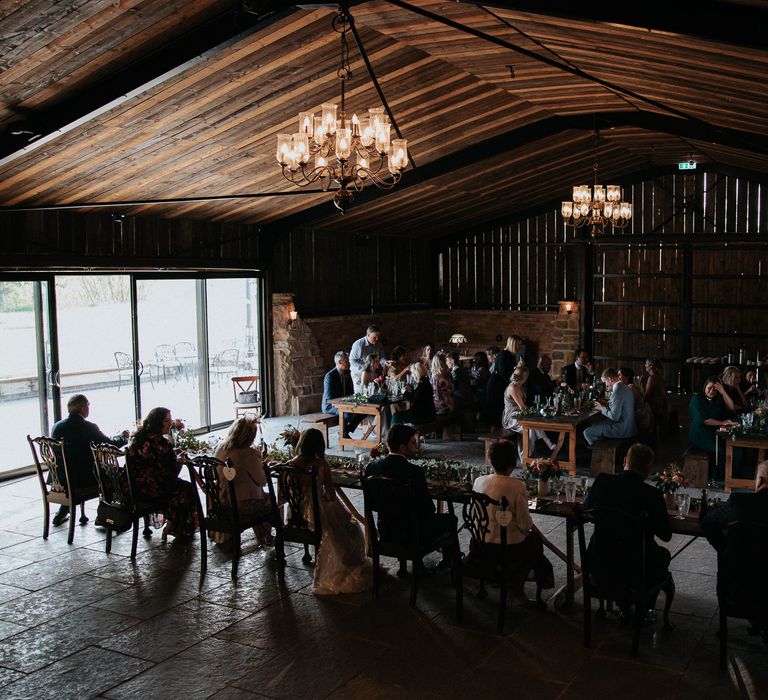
(292, 316)
(568, 307)
(458, 339)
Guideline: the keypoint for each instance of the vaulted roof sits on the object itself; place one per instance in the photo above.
(149, 100)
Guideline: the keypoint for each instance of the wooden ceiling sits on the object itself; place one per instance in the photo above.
(150, 102)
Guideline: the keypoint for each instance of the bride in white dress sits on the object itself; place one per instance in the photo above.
(341, 565)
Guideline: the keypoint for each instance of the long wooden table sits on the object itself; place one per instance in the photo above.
(565, 426)
(752, 441)
(375, 410)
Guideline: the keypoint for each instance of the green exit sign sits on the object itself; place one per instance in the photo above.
(687, 165)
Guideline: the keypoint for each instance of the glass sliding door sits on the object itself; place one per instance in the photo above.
(24, 374)
(169, 349)
(233, 339)
(95, 357)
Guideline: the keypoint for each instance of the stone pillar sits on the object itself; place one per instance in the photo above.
(299, 372)
(565, 335)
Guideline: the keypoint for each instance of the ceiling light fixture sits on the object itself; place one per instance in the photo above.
(597, 206)
(347, 153)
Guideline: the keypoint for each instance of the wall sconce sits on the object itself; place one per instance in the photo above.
(568, 307)
(458, 339)
(292, 316)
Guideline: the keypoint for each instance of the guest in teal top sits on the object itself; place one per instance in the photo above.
(709, 411)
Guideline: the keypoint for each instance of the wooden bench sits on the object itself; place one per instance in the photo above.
(321, 421)
(608, 453)
(439, 423)
(496, 435)
(696, 467)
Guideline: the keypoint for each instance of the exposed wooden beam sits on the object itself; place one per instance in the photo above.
(193, 47)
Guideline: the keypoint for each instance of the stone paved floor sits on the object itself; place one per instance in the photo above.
(78, 623)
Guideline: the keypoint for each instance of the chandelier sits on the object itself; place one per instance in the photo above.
(597, 206)
(348, 153)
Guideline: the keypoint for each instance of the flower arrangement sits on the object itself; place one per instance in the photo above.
(290, 436)
(278, 454)
(669, 480)
(380, 450)
(544, 469)
(185, 440)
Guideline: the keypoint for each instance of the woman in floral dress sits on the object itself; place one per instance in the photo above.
(154, 468)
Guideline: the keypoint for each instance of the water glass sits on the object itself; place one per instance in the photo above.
(683, 503)
(557, 490)
(570, 491)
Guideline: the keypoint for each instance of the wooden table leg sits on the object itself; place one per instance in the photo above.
(728, 465)
(525, 445)
(569, 549)
(572, 451)
(341, 429)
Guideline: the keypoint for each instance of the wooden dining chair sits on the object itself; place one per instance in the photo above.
(49, 455)
(246, 394)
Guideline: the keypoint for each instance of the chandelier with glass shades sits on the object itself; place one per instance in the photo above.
(597, 206)
(333, 150)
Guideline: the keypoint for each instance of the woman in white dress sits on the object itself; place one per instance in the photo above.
(341, 565)
(249, 480)
(514, 405)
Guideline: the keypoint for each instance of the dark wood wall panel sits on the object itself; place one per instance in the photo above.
(339, 273)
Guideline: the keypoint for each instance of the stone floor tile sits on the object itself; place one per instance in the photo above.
(148, 565)
(60, 598)
(44, 573)
(288, 622)
(695, 594)
(40, 646)
(746, 675)
(10, 592)
(698, 558)
(9, 563)
(8, 675)
(601, 677)
(256, 589)
(231, 693)
(8, 629)
(122, 542)
(315, 668)
(85, 674)
(177, 629)
(8, 539)
(196, 673)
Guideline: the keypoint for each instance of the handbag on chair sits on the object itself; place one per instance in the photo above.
(114, 517)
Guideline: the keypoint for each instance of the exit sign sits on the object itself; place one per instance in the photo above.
(687, 165)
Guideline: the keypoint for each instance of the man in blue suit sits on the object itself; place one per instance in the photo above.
(336, 384)
(619, 412)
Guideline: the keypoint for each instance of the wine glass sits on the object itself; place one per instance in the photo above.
(570, 491)
(683, 503)
(557, 490)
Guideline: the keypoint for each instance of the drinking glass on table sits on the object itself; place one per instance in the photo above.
(557, 490)
(570, 491)
(683, 503)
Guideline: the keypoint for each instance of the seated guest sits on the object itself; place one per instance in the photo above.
(442, 386)
(580, 374)
(479, 378)
(708, 412)
(78, 434)
(524, 542)
(740, 507)
(619, 413)
(643, 415)
(399, 365)
(422, 405)
(155, 467)
(372, 370)
(628, 492)
(403, 443)
(336, 384)
(514, 405)
(341, 565)
(509, 358)
(426, 356)
(367, 345)
(249, 477)
(493, 407)
(731, 380)
(655, 391)
(540, 383)
(462, 384)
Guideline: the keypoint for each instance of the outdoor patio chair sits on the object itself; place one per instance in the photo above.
(49, 455)
(166, 361)
(225, 362)
(186, 353)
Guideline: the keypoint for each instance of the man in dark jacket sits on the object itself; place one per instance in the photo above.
(540, 383)
(581, 372)
(336, 384)
(78, 434)
(403, 442)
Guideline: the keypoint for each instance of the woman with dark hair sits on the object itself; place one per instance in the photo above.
(502, 366)
(399, 365)
(371, 369)
(709, 411)
(341, 565)
(154, 468)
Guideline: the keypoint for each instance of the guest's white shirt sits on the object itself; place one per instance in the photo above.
(496, 486)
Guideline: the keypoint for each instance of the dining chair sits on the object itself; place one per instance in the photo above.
(246, 394)
(742, 580)
(491, 562)
(225, 362)
(302, 523)
(166, 361)
(117, 493)
(614, 567)
(49, 454)
(222, 514)
(394, 503)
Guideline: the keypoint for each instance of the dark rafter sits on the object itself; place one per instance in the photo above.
(725, 22)
(532, 132)
(79, 107)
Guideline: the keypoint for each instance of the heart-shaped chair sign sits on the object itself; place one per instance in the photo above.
(229, 473)
(503, 517)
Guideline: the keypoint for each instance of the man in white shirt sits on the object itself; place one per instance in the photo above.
(363, 347)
